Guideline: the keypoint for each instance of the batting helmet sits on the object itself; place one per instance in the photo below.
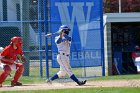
(17, 41)
(65, 29)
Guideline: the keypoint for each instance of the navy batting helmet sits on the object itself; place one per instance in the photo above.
(65, 29)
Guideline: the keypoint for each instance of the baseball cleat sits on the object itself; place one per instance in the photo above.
(82, 82)
(16, 84)
(49, 81)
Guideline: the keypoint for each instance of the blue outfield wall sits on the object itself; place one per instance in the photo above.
(84, 17)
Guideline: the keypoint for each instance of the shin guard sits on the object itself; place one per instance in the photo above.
(18, 73)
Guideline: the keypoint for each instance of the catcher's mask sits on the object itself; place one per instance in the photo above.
(17, 41)
(65, 29)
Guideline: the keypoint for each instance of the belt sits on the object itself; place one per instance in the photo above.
(63, 54)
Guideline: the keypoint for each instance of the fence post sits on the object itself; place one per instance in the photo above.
(46, 29)
(26, 35)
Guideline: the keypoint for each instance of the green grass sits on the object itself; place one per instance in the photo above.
(26, 80)
(35, 75)
(34, 79)
(34, 71)
(118, 77)
(83, 90)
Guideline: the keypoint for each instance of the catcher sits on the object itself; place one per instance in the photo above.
(11, 57)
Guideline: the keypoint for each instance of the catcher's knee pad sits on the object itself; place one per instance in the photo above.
(7, 69)
(61, 74)
(20, 68)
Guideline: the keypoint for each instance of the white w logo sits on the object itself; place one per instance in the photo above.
(77, 14)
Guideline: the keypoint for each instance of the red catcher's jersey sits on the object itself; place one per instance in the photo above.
(10, 53)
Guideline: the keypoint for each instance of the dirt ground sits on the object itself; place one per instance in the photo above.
(64, 85)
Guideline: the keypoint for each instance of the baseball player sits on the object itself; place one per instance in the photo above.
(63, 42)
(8, 61)
(136, 57)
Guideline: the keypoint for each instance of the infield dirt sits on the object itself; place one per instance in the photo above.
(64, 85)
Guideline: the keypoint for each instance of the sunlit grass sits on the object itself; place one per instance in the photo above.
(82, 90)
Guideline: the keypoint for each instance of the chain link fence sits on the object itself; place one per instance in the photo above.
(29, 19)
(25, 18)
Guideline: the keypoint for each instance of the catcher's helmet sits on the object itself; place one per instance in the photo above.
(17, 41)
(65, 29)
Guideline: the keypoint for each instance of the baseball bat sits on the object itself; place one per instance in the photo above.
(50, 34)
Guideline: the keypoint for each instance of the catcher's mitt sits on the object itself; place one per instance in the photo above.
(21, 58)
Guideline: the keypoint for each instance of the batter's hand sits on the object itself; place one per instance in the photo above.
(62, 34)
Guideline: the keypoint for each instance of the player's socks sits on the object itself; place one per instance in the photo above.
(73, 77)
(54, 77)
